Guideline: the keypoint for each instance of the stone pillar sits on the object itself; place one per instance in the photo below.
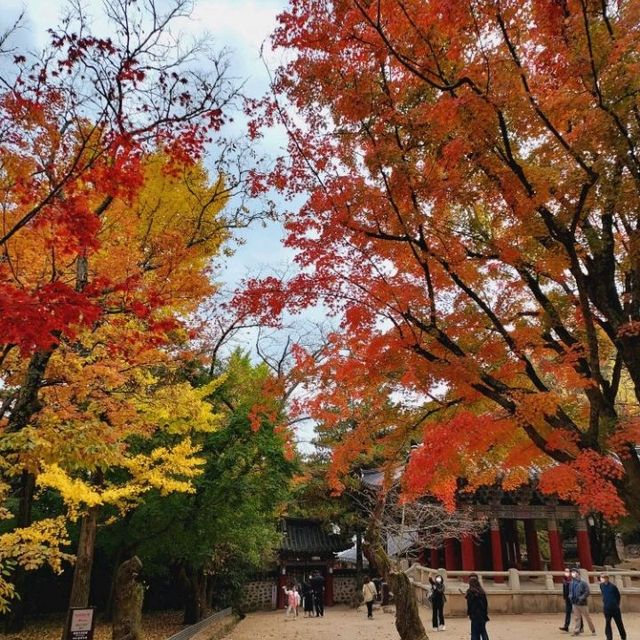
(555, 548)
(584, 546)
(533, 549)
(496, 549)
(328, 591)
(450, 563)
(468, 560)
(434, 557)
(282, 582)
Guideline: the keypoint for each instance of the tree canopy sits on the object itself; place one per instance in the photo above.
(472, 171)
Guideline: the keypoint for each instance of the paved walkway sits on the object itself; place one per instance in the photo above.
(341, 623)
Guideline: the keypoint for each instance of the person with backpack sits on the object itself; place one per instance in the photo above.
(437, 599)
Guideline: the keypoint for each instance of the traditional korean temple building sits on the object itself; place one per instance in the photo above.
(499, 547)
(307, 547)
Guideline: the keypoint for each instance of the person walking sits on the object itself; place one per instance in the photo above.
(292, 599)
(477, 609)
(579, 590)
(437, 599)
(307, 599)
(369, 594)
(317, 586)
(611, 607)
(566, 594)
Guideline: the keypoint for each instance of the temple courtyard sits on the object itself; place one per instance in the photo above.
(343, 623)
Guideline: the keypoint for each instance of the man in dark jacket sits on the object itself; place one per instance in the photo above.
(566, 595)
(317, 586)
(611, 607)
(579, 591)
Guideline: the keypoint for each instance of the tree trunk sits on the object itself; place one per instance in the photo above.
(27, 404)
(108, 612)
(408, 621)
(84, 560)
(196, 600)
(15, 620)
(359, 562)
(128, 600)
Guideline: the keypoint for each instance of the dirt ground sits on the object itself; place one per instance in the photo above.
(341, 623)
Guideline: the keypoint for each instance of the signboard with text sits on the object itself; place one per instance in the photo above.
(81, 624)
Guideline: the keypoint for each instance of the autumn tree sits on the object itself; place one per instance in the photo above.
(211, 538)
(472, 171)
(109, 226)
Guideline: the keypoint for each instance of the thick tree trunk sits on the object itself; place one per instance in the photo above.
(196, 596)
(84, 560)
(408, 621)
(631, 484)
(128, 600)
(27, 404)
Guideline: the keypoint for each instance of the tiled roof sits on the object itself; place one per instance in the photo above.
(308, 536)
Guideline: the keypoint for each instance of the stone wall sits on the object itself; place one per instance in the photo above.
(344, 589)
(260, 594)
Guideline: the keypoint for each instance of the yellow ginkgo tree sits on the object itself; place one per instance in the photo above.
(108, 386)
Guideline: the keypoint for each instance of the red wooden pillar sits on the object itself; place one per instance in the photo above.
(496, 549)
(450, 563)
(468, 560)
(478, 555)
(328, 590)
(282, 582)
(555, 548)
(533, 548)
(584, 545)
(435, 558)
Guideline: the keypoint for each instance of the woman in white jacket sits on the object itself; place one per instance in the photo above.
(369, 594)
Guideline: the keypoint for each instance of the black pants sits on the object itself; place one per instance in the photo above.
(479, 630)
(369, 609)
(318, 603)
(616, 616)
(437, 610)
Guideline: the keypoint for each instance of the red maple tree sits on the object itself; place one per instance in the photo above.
(473, 172)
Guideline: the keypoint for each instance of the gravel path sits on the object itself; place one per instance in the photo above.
(341, 623)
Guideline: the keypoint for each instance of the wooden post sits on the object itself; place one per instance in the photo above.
(555, 548)
(282, 582)
(496, 549)
(328, 592)
(468, 560)
(533, 548)
(450, 563)
(435, 558)
(584, 545)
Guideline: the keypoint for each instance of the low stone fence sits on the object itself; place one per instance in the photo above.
(516, 591)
